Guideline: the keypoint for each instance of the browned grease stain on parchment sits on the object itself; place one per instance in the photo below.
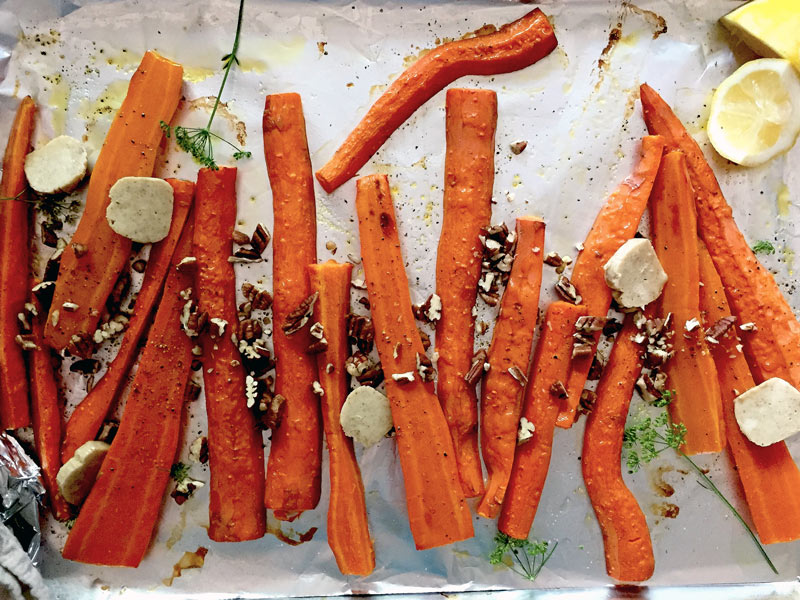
(189, 560)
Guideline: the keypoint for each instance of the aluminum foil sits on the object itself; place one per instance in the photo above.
(579, 112)
(20, 494)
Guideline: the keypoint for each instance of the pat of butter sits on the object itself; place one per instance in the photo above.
(140, 208)
(769, 412)
(634, 274)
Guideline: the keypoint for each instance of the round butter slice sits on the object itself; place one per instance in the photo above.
(366, 416)
(635, 274)
(77, 476)
(140, 208)
(769, 412)
(57, 167)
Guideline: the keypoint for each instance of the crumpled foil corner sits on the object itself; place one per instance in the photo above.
(20, 494)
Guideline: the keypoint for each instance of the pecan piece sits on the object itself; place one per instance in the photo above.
(298, 318)
(476, 369)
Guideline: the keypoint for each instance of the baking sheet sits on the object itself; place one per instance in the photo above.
(578, 110)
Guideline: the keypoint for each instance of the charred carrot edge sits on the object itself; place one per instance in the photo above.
(501, 393)
(118, 519)
(773, 348)
(437, 511)
(348, 528)
(86, 277)
(88, 416)
(471, 117)
(615, 224)
(14, 267)
(626, 538)
(295, 460)
(540, 406)
(691, 371)
(235, 451)
(514, 46)
(770, 478)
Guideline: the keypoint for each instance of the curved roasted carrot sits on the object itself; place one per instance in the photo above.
(93, 260)
(14, 268)
(235, 450)
(87, 418)
(626, 538)
(615, 224)
(295, 459)
(509, 352)
(532, 459)
(773, 348)
(691, 371)
(118, 519)
(471, 119)
(770, 478)
(514, 46)
(437, 511)
(348, 528)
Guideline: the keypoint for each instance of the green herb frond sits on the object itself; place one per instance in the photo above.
(179, 472)
(763, 247)
(528, 558)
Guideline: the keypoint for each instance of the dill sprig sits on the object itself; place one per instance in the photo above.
(199, 141)
(529, 557)
(763, 247)
(647, 438)
(54, 208)
(179, 472)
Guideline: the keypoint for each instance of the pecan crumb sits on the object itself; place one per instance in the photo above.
(558, 389)
(240, 237)
(567, 291)
(517, 374)
(79, 249)
(519, 146)
(297, 319)
(403, 378)
(424, 367)
(720, 328)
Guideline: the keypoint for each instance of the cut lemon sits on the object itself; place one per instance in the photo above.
(755, 113)
(769, 27)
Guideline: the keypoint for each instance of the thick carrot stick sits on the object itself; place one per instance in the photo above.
(471, 119)
(96, 255)
(691, 371)
(118, 519)
(437, 511)
(773, 347)
(348, 529)
(615, 224)
(235, 450)
(509, 355)
(626, 538)
(540, 407)
(514, 46)
(295, 460)
(769, 476)
(14, 267)
(86, 420)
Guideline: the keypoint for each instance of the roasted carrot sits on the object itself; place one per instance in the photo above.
(769, 476)
(118, 519)
(295, 460)
(550, 366)
(626, 538)
(14, 267)
(471, 119)
(348, 528)
(235, 450)
(96, 255)
(615, 224)
(46, 414)
(508, 358)
(773, 347)
(87, 418)
(437, 511)
(514, 46)
(691, 372)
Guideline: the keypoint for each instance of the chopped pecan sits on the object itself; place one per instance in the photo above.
(553, 259)
(558, 389)
(85, 366)
(360, 331)
(240, 237)
(192, 391)
(139, 265)
(587, 402)
(589, 324)
(424, 367)
(108, 431)
(519, 146)
(250, 329)
(260, 239)
(298, 318)
(247, 254)
(517, 374)
(80, 250)
(476, 369)
(429, 311)
(364, 301)
(49, 238)
(403, 378)
(720, 328)
(596, 370)
(611, 327)
(567, 291)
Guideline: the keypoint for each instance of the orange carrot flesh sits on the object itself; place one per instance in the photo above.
(540, 406)
(626, 538)
(348, 528)
(773, 348)
(437, 511)
(88, 275)
(118, 519)
(514, 46)
(88, 416)
(14, 268)
(615, 224)
(471, 117)
(235, 449)
(509, 352)
(770, 478)
(295, 460)
(691, 371)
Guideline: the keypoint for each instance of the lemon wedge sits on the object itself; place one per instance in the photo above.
(755, 113)
(769, 27)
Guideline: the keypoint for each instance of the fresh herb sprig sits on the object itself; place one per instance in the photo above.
(763, 247)
(199, 141)
(179, 472)
(529, 557)
(647, 438)
(54, 208)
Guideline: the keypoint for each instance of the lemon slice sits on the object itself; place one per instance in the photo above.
(769, 27)
(755, 113)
